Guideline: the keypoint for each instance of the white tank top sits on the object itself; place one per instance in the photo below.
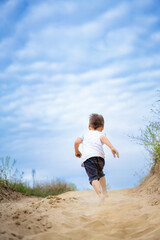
(92, 145)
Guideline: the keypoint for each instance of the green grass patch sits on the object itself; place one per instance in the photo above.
(11, 178)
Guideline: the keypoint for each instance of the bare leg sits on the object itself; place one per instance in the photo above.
(103, 186)
(96, 186)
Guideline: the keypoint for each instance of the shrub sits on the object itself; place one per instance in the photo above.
(11, 178)
(150, 136)
(52, 188)
(9, 175)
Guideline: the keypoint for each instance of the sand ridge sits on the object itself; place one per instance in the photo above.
(78, 215)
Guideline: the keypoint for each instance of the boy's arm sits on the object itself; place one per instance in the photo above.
(76, 147)
(107, 142)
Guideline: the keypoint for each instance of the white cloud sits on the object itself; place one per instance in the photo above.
(60, 73)
(7, 8)
(37, 66)
(156, 37)
(66, 41)
(78, 95)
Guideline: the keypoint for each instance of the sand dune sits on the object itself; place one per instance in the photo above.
(78, 215)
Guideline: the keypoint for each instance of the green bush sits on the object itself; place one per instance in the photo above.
(11, 178)
(150, 135)
(9, 175)
(52, 188)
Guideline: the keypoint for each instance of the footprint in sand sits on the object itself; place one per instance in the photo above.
(84, 218)
(154, 202)
(17, 223)
(16, 216)
(17, 236)
(27, 211)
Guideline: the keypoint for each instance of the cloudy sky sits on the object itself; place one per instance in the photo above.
(61, 60)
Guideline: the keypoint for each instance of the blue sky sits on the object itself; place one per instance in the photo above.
(62, 60)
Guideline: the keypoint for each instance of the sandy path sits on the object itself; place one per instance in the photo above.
(78, 216)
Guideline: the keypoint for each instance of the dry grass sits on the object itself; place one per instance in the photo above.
(10, 178)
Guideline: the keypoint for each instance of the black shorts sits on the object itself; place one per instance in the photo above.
(94, 168)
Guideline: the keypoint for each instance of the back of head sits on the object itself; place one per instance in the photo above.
(96, 121)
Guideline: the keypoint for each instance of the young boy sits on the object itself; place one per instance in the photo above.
(93, 154)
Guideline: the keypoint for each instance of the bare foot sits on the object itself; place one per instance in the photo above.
(106, 194)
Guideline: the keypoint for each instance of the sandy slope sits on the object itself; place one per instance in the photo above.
(77, 215)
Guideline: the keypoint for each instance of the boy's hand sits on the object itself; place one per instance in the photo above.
(78, 154)
(115, 152)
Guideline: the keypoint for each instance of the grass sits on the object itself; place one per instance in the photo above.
(44, 189)
(150, 135)
(149, 138)
(11, 178)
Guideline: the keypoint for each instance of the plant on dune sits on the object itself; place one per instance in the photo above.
(11, 178)
(52, 188)
(150, 136)
(9, 175)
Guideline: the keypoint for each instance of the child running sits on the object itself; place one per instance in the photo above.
(93, 153)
